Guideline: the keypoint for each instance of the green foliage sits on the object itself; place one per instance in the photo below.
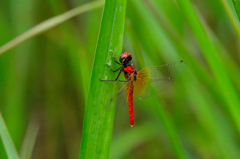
(7, 141)
(141, 12)
(98, 123)
(50, 23)
(236, 4)
(212, 57)
(232, 18)
(51, 74)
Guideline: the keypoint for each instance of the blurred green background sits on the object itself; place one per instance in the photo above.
(44, 81)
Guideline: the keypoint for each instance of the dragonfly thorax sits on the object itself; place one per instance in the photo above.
(130, 70)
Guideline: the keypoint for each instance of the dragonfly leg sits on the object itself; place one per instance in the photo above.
(115, 60)
(123, 81)
(116, 78)
(112, 69)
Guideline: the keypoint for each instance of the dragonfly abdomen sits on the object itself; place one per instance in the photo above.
(130, 103)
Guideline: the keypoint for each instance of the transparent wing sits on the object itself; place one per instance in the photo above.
(121, 97)
(152, 80)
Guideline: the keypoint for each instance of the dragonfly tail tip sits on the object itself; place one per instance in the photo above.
(131, 125)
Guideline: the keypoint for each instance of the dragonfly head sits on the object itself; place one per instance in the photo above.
(125, 57)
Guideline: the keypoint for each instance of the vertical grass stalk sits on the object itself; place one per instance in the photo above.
(98, 123)
(213, 58)
(7, 141)
(236, 4)
(231, 16)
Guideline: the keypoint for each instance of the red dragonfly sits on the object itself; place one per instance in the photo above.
(145, 82)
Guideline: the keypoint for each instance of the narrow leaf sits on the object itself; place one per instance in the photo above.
(98, 123)
(236, 4)
(48, 24)
(7, 141)
(213, 58)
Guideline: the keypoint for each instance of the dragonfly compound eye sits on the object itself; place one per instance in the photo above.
(123, 56)
(129, 57)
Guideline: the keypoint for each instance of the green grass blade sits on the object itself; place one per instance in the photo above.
(203, 106)
(236, 4)
(171, 131)
(134, 138)
(98, 123)
(48, 24)
(7, 141)
(212, 57)
(161, 113)
(15, 110)
(214, 125)
(29, 140)
(185, 50)
(232, 17)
